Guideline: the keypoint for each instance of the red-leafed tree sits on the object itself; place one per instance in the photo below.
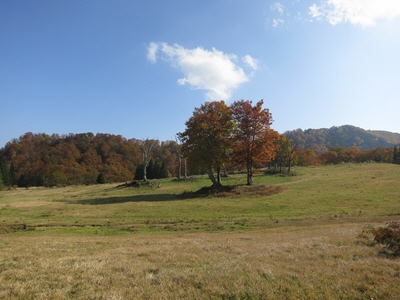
(254, 142)
(206, 142)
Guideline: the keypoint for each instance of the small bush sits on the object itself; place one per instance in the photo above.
(388, 235)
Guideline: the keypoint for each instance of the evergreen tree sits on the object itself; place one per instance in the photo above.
(13, 175)
(164, 170)
(40, 180)
(139, 173)
(101, 179)
(156, 170)
(396, 155)
(5, 173)
(150, 170)
(23, 181)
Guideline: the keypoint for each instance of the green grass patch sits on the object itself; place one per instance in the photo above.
(319, 194)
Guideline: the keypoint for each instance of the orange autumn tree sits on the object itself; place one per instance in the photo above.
(254, 142)
(206, 142)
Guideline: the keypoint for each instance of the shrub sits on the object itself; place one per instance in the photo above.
(388, 235)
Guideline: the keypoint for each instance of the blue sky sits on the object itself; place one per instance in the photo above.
(139, 68)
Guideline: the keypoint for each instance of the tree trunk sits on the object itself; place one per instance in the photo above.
(185, 169)
(147, 147)
(180, 167)
(249, 175)
(219, 176)
(212, 177)
(145, 171)
(225, 172)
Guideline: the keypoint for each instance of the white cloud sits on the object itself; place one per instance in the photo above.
(315, 11)
(250, 61)
(210, 70)
(358, 12)
(152, 52)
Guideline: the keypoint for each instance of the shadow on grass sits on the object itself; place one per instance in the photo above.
(204, 192)
(134, 198)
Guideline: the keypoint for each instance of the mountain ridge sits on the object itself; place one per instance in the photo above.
(346, 136)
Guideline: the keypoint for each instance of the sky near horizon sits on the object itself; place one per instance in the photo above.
(139, 68)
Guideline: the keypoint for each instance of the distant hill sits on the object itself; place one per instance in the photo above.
(321, 140)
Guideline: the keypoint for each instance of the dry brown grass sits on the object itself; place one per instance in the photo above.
(316, 262)
(260, 242)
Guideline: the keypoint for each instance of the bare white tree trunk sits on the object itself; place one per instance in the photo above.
(147, 146)
(178, 151)
(180, 167)
(185, 169)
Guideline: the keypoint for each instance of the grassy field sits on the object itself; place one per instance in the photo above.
(284, 238)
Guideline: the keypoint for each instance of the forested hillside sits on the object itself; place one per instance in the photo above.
(54, 160)
(347, 136)
(41, 159)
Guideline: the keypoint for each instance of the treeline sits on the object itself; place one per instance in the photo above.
(44, 160)
(288, 156)
(347, 136)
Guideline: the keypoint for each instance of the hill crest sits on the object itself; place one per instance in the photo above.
(347, 136)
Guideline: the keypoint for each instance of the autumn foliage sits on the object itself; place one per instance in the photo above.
(217, 135)
(44, 160)
(334, 156)
(207, 139)
(217, 138)
(254, 142)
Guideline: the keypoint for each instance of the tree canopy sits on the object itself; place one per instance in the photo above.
(206, 142)
(44, 160)
(253, 139)
(217, 134)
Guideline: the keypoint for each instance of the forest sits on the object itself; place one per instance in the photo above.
(86, 158)
(347, 136)
(44, 160)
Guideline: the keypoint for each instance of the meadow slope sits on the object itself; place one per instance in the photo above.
(120, 242)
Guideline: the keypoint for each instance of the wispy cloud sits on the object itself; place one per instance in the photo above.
(152, 52)
(279, 7)
(251, 62)
(210, 70)
(279, 10)
(359, 12)
(277, 22)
